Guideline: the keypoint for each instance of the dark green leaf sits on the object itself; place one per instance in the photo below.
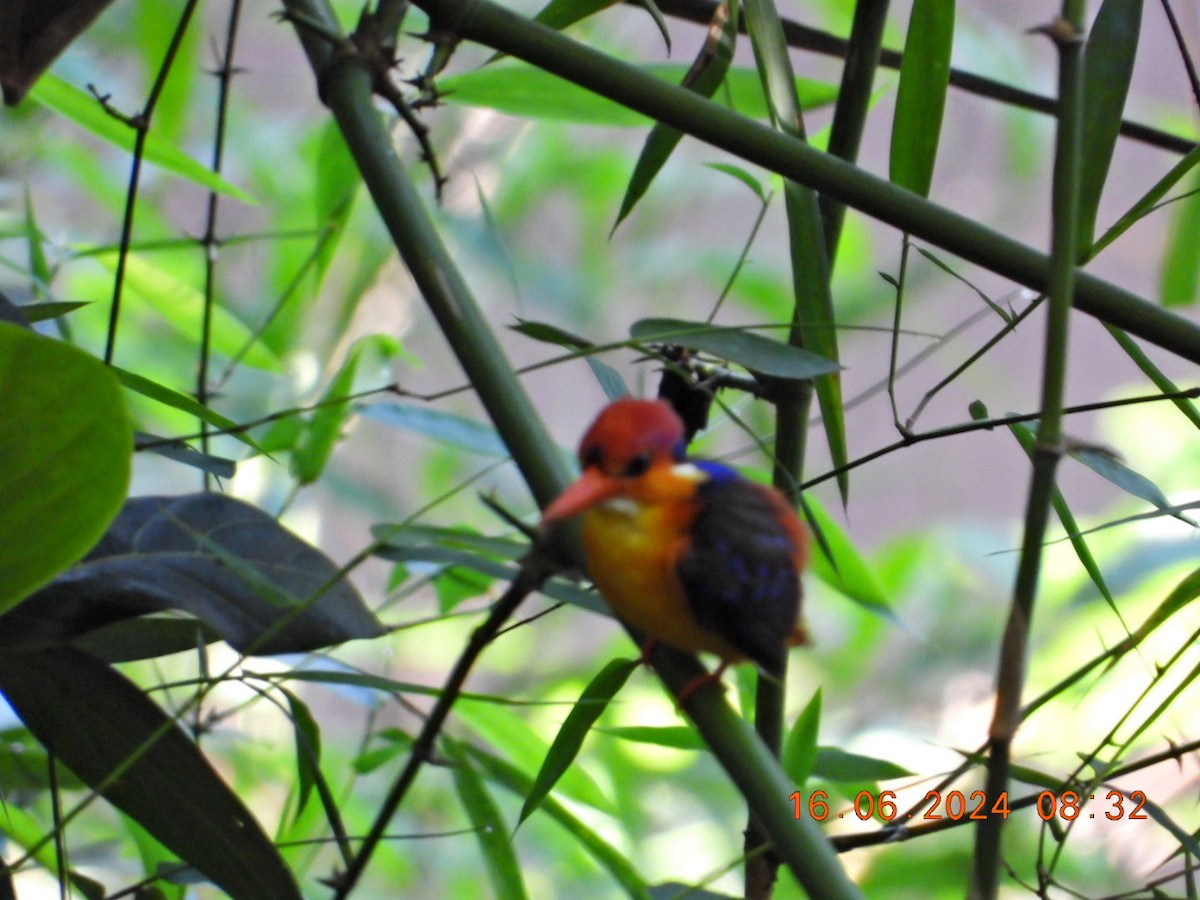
(1107, 69)
(307, 736)
(490, 828)
(704, 77)
(921, 95)
(559, 14)
(592, 702)
(65, 451)
(550, 334)
(1105, 464)
(833, 764)
(227, 563)
(755, 352)
(42, 312)
(121, 744)
(146, 637)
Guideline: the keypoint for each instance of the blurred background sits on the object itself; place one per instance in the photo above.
(528, 210)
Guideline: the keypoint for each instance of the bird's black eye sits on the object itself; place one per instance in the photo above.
(638, 465)
(591, 456)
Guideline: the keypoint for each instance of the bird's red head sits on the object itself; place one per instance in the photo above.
(628, 439)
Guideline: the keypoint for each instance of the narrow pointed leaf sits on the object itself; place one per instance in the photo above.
(800, 746)
(833, 764)
(755, 352)
(85, 110)
(65, 451)
(490, 829)
(1179, 284)
(307, 736)
(176, 400)
(837, 562)
(1107, 70)
(121, 744)
(592, 702)
(704, 77)
(921, 94)
(600, 848)
(1148, 201)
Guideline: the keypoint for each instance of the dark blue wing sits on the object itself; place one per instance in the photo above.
(739, 573)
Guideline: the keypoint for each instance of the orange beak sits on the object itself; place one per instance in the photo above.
(592, 487)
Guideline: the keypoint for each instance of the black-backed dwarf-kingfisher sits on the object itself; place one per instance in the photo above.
(688, 551)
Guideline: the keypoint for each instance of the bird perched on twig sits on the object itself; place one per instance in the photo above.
(688, 551)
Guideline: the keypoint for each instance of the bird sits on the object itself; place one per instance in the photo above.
(687, 550)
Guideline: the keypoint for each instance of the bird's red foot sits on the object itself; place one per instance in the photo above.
(700, 681)
(647, 649)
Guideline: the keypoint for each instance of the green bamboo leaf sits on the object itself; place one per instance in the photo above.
(84, 110)
(592, 702)
(490, 828)
(704, 77)
(550, 334)
(674, 737)
(833, 764)
(105, 729)
(761, 354)
(743, 176)
(181, 304)
(560, 14)
(921, 94)
(180, 401)
(1107, 70)
(1180, 596)
(1106, 464)
(322, 432)
(1179, 284)
(65, 452)
(41, 312)
(600, 848)
(836, 561)
(1149, 201)
(800, 746)
(510, 734)
(518, 89)
(307, 737)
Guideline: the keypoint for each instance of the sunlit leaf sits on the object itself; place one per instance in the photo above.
(65, 451)
(567, 743)
(491, 831)
(85, 110)
(181, 304)
(800, 745)
(921, 94)
(180, 401)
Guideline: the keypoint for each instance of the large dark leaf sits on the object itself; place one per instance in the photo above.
(225, 562)
(123, 746)
(33, 32)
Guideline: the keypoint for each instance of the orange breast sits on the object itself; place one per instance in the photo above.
(632, 549)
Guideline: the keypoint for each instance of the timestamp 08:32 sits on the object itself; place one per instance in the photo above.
(956, 805)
